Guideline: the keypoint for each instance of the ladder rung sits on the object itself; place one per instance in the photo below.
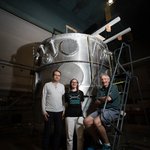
(119, 82)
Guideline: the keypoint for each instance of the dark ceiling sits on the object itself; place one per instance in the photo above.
(134, 14)
(84, 15)
(50, 14)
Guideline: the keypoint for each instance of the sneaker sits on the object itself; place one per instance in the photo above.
(106, 147)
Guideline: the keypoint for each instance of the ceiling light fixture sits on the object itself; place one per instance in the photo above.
(110, 2)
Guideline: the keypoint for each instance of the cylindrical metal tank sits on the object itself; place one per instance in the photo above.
(76, 55)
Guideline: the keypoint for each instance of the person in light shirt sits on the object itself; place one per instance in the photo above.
(53, 110)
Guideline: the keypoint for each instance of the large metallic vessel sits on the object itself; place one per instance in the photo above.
(76, 55)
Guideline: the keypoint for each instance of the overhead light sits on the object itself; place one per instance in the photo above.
(110, 2)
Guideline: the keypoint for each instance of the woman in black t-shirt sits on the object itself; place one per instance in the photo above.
(73, 114)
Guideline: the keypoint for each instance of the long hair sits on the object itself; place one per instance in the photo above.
(77, 84)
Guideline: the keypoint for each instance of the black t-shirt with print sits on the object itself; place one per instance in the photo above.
(74, 107)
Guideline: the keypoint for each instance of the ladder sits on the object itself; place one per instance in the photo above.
(121, 76)
(123, 83)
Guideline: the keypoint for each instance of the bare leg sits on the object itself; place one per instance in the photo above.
(101, 129)
(90, 129)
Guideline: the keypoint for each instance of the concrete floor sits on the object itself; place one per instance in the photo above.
(134, 137)
(20, 138)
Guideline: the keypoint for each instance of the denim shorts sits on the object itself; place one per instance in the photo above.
(107, 116)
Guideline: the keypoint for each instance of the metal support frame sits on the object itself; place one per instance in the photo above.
(126, 81)
(128, 75)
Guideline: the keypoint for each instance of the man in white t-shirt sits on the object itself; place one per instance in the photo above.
(52, 109)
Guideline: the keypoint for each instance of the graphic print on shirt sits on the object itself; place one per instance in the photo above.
(74, 99)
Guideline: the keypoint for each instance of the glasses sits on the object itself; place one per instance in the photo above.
(74, 82)
(57, 75)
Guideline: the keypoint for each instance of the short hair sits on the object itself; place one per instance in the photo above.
(56, 71)
(104, 74)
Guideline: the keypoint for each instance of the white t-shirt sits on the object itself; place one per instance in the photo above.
(52, 97)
